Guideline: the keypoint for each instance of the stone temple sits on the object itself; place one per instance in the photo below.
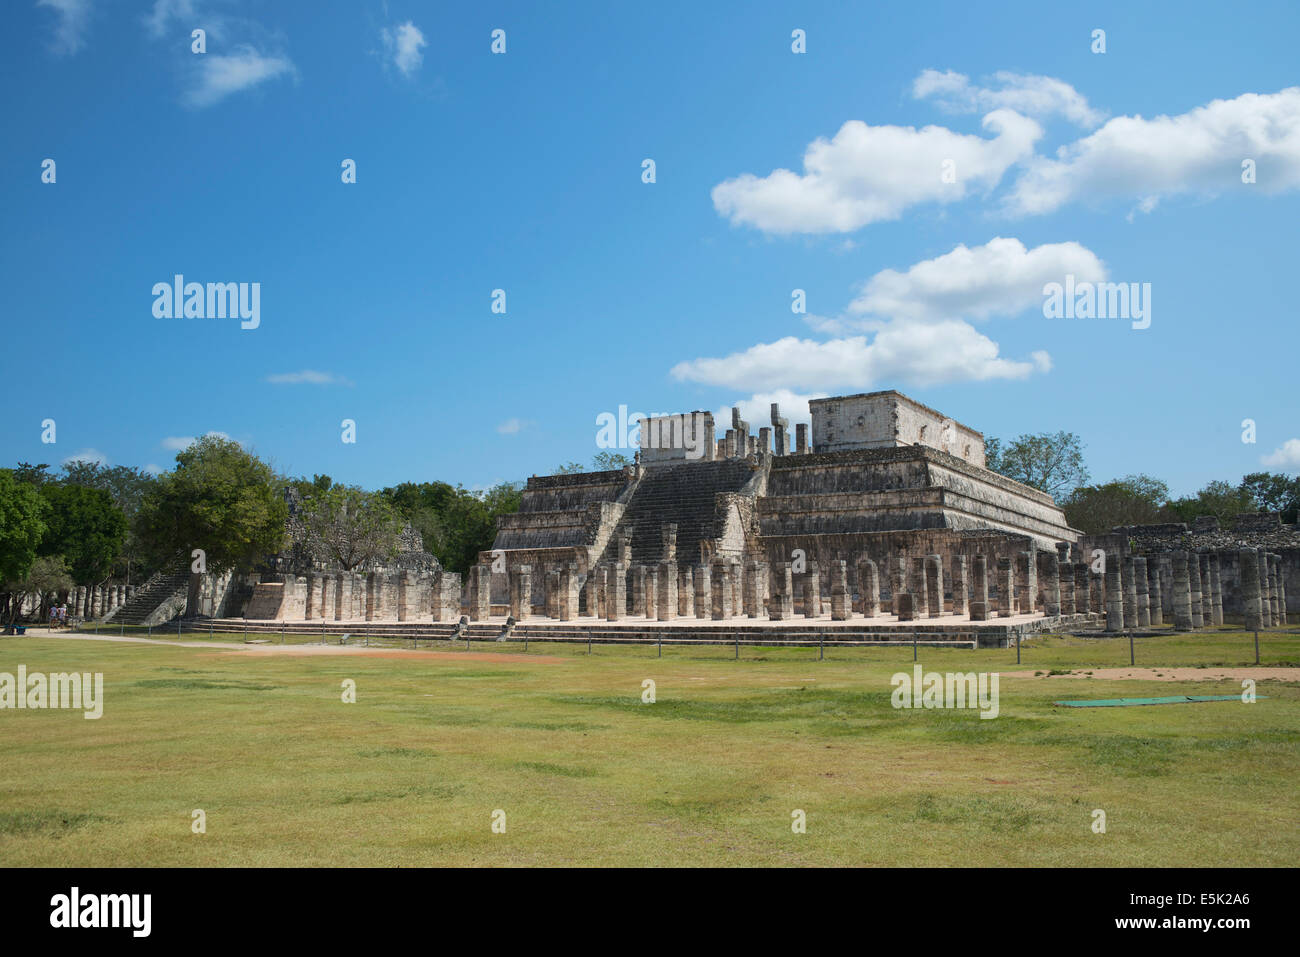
(886, 507)
(878, 519)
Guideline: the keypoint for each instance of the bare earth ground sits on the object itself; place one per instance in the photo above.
(1170, 674)
(299, 651)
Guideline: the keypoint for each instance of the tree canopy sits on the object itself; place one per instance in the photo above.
(347, 525)
(1132, 500)
(455, 523)
(85, 527)
(219, 498)
(22, 525)
(1051, 462)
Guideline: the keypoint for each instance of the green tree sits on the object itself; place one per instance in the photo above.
(1049, 462)
(569, 468)
(45, 580)
(1273, 492)
(127, 485)
(22, 525)
(347, 525)
(424, 505)
(455, 523)
(1223, 500)
(1132, 500)
(219, 498)
(33, 474)
(85, 527)
(609, 461)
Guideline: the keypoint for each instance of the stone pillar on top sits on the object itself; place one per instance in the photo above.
(781, 428)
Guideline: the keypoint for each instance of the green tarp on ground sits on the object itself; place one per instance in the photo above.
(1126, 702)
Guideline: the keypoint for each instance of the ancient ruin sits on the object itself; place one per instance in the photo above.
(880, 516)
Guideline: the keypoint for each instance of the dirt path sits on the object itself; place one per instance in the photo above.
(1170, 674)
(298, 651)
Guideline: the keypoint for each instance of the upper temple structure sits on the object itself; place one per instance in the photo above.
(883, 475)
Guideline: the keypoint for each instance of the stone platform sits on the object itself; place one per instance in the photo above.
(946, 631)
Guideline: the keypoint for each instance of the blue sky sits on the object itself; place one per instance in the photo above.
(523, 171)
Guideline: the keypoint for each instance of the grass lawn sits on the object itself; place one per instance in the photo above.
(709, 774)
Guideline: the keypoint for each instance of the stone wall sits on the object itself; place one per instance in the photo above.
(889, 419)
(876, 490)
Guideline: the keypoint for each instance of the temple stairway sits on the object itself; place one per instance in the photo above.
(148, 597)
(681, 494)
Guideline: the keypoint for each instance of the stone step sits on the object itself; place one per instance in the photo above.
(148, 597)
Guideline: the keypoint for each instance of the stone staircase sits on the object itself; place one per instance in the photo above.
(682, 494)
(149, 604)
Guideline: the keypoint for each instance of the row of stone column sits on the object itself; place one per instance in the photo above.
(1134, 597)
(405, 595)
(1263, 589)
(727, 588)
(89, 601)
(1130, 594)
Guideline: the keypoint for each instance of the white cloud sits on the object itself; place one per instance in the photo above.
(221, 75)
(513, 426)
(73, 19)
(91, 456)
(152, 469)
(918, 319)
(1026, 93)
(914, 353)
(1287, 455)
(757, 409)
(403, 45)
(178, 443)
(307, 377)
(1199, 152)
(1001, 277)
(866, 174)
(165, 11)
